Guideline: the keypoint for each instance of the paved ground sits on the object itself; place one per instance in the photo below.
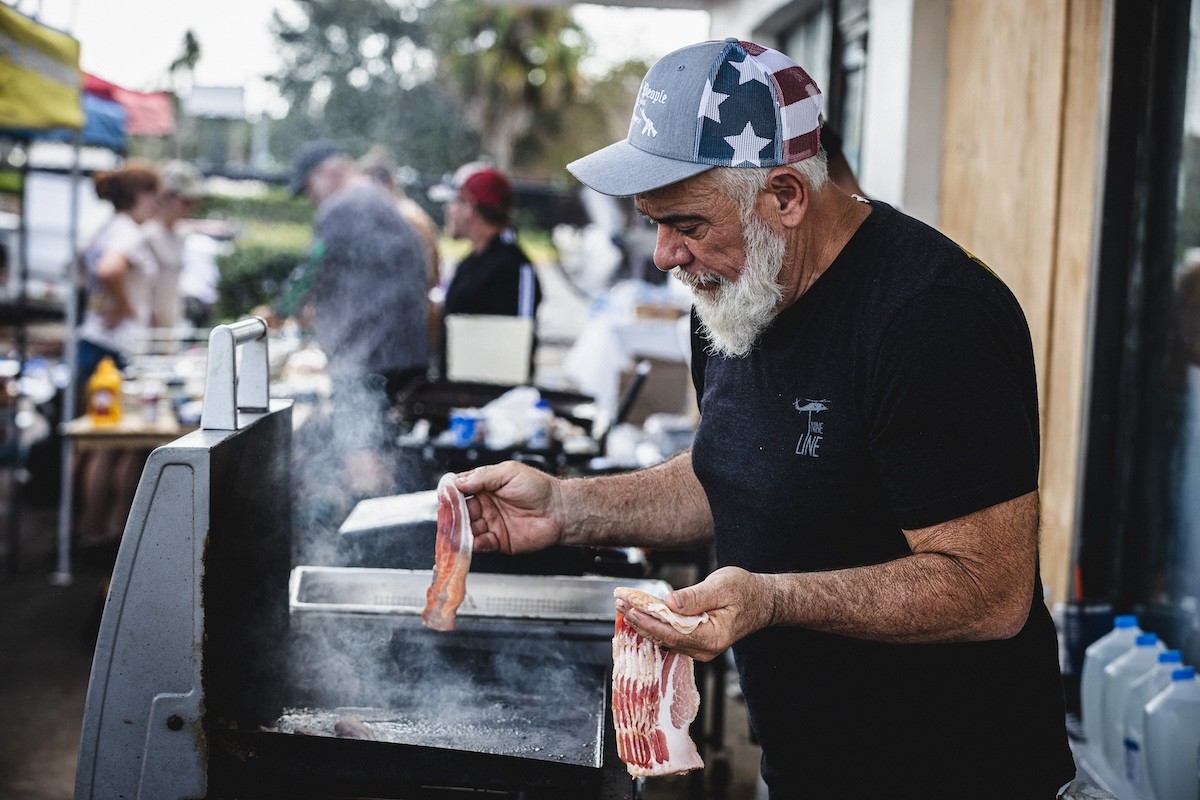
(46, 640)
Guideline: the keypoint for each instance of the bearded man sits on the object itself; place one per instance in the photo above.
(866, 460)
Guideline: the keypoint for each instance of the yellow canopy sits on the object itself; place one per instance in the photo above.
(40, 81)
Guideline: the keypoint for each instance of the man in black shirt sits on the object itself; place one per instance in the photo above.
(866, 460)
(497, 277)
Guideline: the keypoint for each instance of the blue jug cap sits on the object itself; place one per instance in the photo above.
(1170, 657)
(1184, 674)
(1125, 621)
(1146, 640)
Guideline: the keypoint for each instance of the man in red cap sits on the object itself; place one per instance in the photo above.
(497, 277)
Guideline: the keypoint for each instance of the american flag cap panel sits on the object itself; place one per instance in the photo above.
(760, 109)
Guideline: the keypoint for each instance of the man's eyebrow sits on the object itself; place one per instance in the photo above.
(674, 219)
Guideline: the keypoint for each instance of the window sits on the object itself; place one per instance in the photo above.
(836, 58)
(1139, 542)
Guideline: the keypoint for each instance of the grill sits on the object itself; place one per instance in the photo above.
(221, 671)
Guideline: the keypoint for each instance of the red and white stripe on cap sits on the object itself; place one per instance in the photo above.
(799, 101)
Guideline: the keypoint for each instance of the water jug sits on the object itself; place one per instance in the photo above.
(1091, 687)
(1141, 692)
(1173, 738)
(1119, 675)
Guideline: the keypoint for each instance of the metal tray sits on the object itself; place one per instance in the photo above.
(401, 592)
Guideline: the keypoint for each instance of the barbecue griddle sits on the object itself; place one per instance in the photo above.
(515, 699)
(212, 651)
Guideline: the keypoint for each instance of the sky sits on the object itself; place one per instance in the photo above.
(132, 42)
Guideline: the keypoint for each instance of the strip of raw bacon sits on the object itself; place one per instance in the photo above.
(452, 558)
(654, 695)
(644, 601)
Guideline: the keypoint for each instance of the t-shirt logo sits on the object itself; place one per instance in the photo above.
(810, 440)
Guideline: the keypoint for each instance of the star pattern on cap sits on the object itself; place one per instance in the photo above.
(749, 71)
(710, 106)
(756, 108)
(746, 147)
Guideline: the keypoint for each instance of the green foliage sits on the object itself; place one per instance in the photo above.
(514, 70)
(441, 82)
(253, 275)
(275, 206)
(357, 72)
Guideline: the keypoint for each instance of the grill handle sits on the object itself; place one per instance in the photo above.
(225, 391)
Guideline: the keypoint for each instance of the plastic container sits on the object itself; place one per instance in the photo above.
(104, 393)
(1141, 692)
(541, 419)
(1119, 675)
(1173, 739)
(1091, 687)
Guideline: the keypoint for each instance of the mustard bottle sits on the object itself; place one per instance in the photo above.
(104, 393)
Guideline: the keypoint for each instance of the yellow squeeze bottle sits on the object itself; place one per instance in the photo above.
(104, 393)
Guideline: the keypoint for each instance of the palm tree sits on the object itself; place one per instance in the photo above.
(513, 69)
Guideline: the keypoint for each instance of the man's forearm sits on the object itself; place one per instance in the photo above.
(970, 579)
(662, 507)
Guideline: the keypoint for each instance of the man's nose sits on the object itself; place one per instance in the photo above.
(670, 251)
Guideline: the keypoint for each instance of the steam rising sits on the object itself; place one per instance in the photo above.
(507, 693)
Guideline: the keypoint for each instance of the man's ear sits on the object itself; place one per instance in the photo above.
(788, 194)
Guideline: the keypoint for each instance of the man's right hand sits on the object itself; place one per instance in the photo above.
(513, 508)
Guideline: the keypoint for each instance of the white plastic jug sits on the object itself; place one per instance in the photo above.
(1173, 738)
(1091, 685)
(1119, 675)
(1141, 692)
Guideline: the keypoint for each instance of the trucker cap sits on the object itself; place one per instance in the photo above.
(717, 104)
(308, 159)
(182, 180)
(487, 187)
(447, 189)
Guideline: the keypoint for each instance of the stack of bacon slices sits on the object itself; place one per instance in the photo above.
(452, 558)
(654, 693)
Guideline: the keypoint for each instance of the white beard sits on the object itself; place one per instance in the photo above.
(735, 314)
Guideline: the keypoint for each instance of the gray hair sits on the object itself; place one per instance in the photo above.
(742, 184)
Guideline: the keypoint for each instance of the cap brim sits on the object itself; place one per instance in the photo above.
(441, 193)
(622, 170)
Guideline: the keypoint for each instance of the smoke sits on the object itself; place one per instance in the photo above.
(345, 453)
(499, 690)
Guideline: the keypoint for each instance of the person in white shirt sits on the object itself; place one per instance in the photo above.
(120, 270)
(182, 191)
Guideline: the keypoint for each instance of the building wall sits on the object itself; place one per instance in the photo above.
(1020, 180)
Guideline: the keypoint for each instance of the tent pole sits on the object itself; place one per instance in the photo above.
(62, 575)
(14, 497)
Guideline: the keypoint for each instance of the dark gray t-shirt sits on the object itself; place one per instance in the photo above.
(369, 294)
(897, 393)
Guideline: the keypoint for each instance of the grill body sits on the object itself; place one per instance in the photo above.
(196, 611)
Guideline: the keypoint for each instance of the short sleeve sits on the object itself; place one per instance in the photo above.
(952, 405)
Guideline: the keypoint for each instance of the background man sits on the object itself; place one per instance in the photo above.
(362, 293)
(866, 460)
(496, 277)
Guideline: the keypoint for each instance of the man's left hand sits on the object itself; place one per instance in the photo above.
(737, 602)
